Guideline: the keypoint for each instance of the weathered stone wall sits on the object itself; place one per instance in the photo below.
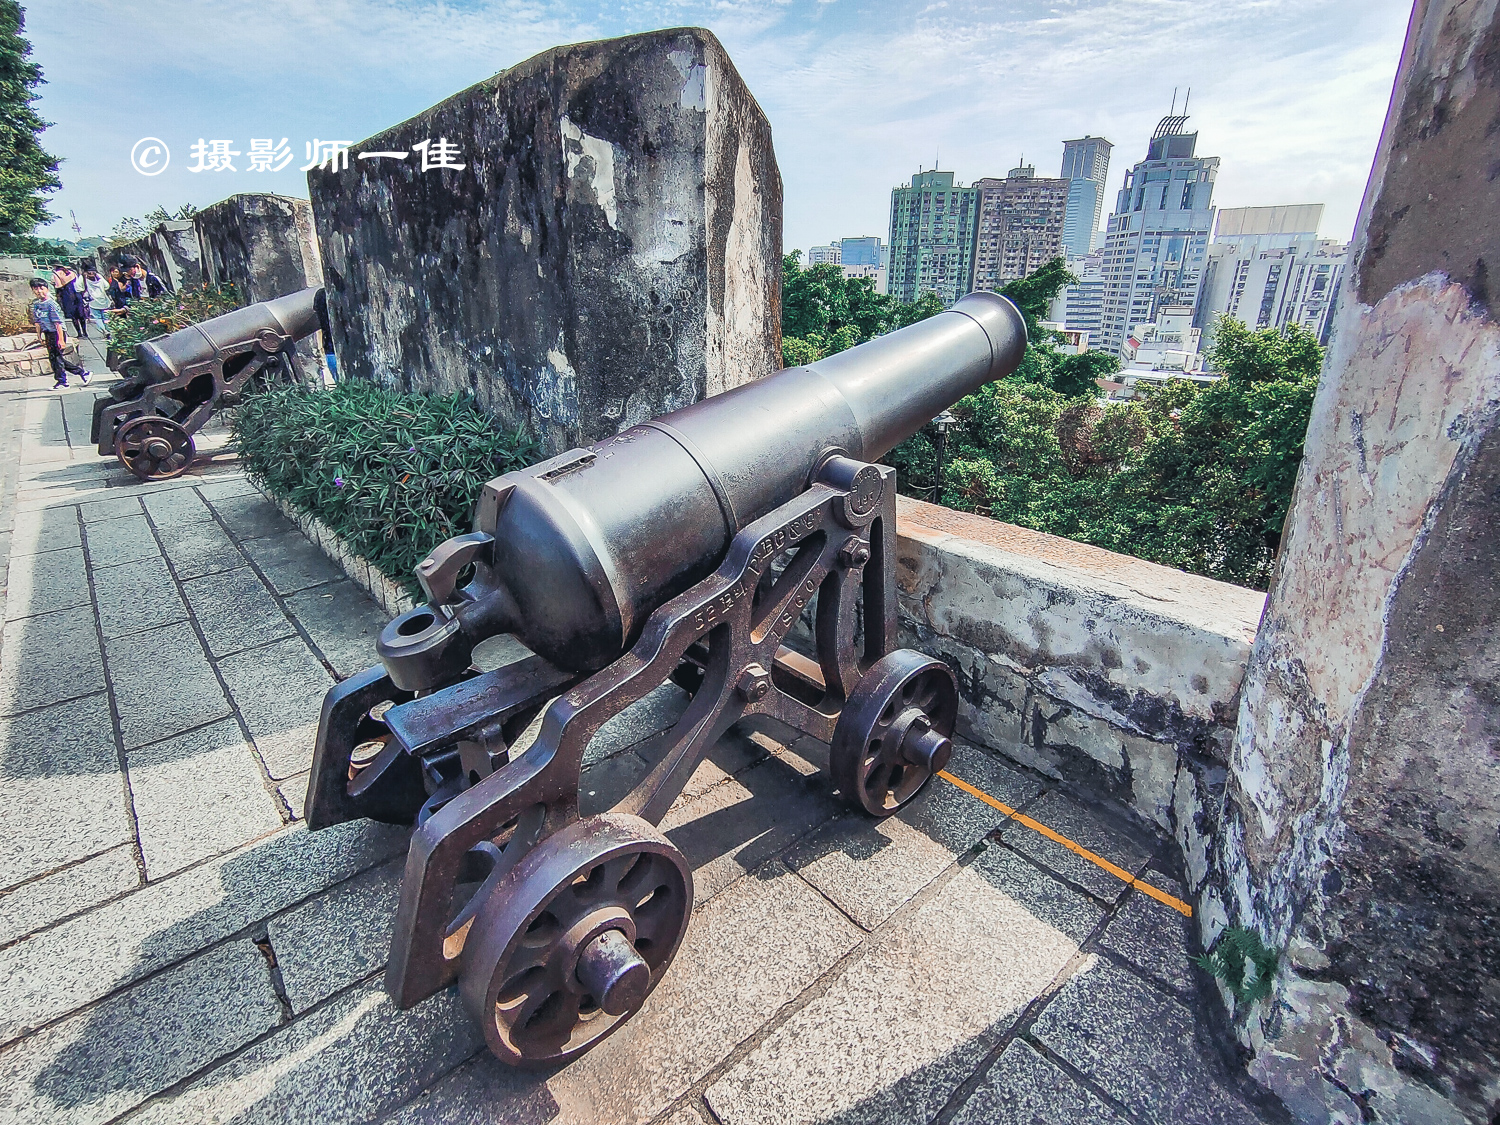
(264, 245)
(610, 252)
(1363, 794)
(175, 254)
(171, 251)
(1118, 675)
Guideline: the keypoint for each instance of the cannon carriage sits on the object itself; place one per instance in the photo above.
(175, 383)
(689, 548)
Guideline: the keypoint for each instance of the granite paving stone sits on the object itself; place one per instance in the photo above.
(483, 1091)
(340, 937)
(352, 1060)
(1067, 817)
(870, 869)
(59, 970)
(43, 901)
(119, 541)
(1024, 1087)
(46, 583)
(232, 484)
(163, 684)
(113, 508)
(742, 822)
(279, 690)
(137, 597)
(653, 713)
(48, 659)
(959, 820)
(176, 506)
(906, 1022)
(49, 529)
(294, 792)
(198, 548)
(746, 954)
(290, 563)
(343, 622)
(1153, 936)
(1139, 1045)
(198, 795)
(236, 611)
(108, 1059)
(251, 516)
(1044, 898)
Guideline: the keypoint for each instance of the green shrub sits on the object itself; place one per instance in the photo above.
(158, 316)
(393, 474)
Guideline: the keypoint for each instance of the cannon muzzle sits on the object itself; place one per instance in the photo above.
(271, 322)
(572, 555)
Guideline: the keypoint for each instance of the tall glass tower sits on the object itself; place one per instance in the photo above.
(1085, 165)
(1157, 242)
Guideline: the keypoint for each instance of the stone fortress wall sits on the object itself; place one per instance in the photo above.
(616, 254)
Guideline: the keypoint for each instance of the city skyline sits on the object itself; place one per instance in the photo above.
(859, 95)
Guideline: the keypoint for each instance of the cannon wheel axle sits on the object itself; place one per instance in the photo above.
(569, 945)
(154, 448)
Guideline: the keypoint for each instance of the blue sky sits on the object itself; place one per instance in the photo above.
(860, 93)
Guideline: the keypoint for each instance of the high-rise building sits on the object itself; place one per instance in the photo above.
(932, 237)
(1157, 239)
(857, 257)
(1020, 226)
(1267, 268)
(1080, 307)
(1085, 165)
(866, 257)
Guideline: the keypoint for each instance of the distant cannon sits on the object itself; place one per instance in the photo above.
(688, 548)
(176, 382)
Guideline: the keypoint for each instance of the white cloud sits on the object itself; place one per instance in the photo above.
(1289, 94)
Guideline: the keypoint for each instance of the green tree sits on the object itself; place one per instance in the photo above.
(1074, 375)
(1264, 355)
(27, 171)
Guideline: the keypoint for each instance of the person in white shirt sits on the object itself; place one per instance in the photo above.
(96, 290)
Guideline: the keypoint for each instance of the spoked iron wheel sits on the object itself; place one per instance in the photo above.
(154, 448)
(574, 939)
(895, 731)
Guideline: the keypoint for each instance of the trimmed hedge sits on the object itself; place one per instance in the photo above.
(393, 474)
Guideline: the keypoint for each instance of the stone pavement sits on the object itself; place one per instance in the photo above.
(174, 946)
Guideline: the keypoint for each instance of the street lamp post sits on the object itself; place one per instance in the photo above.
(942, 423)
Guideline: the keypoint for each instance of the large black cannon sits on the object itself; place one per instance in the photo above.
(176, 382)
(688, 548)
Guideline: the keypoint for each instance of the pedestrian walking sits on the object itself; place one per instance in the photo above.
(48, 319)
(96, 294)
(70, 299)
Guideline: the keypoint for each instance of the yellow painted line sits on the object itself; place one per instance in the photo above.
(1078, 849)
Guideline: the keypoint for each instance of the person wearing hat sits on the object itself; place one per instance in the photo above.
(48, 319)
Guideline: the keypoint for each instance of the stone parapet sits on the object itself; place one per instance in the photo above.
(1118, 675)
(608, 251)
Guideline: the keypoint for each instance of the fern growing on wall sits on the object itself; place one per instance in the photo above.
(1243, 962)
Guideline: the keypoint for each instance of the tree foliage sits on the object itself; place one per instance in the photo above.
(1194, 476)
(27, 171)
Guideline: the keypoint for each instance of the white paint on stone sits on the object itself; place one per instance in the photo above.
(579, 146)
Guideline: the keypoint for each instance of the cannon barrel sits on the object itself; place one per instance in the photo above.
(573, 554)
(167, 357)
